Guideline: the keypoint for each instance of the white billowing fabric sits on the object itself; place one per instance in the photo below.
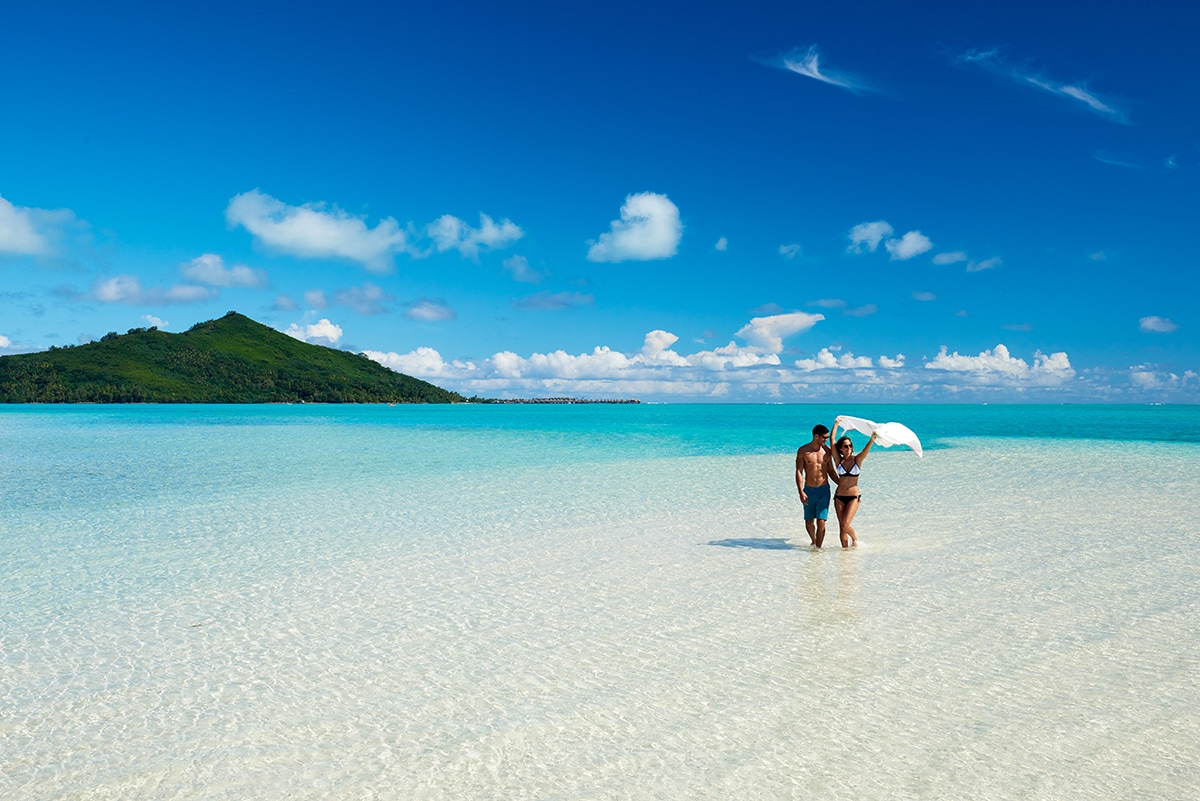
(886, 434)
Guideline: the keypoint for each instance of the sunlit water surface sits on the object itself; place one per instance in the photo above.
(392, 603)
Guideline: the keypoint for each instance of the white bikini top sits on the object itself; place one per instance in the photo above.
(841, 471)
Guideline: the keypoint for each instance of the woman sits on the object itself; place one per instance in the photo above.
(845, 468)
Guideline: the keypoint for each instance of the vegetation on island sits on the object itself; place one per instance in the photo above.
(229, 360)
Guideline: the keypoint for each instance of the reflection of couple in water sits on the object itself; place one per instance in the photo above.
(816, 465)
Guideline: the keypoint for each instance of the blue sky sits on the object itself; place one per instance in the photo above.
(755, 202)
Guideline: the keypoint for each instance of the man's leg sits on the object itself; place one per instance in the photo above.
(819, 539)
(815, 529)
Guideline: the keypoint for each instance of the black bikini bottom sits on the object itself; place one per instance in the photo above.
(847, 498)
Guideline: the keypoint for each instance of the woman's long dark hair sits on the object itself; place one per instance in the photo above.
(837, 448)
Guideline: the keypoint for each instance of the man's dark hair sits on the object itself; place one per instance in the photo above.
(820, 429)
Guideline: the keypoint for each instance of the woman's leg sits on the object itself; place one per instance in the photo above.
(845, 518)
(839, 506)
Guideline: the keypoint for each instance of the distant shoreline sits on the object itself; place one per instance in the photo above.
(561, 400)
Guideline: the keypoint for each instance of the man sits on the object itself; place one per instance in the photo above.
(812, 480)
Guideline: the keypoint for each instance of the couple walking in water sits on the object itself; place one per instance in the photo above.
(816, 466)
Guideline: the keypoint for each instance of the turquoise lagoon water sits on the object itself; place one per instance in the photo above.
(504, 602)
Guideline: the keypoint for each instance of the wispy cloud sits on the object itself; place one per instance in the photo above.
(986, 264)
(518, 267)
(9, 346)
(450, 233)
(554, 301)
(210, 269)
(18, 231)
(952, 257)
(28, 231)
(958, 256)
(867, 236)
(993, 61)
(429, 310)
(807, 62)
(1112, 161)
(366, 300)
(862, 311)
(127, 290)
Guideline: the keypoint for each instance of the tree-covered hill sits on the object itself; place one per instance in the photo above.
(229, 360)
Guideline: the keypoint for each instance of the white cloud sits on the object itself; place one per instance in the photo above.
(18, 231)
(155, 321)
(649, 228)
(807, 62)
(825, 360)
(429, 310)
(950, 258)
(554, 300)
(986, 264)
(829, 303)
(722, 244)
(315, 231)
(366, 299)
(8, 346)
(999, 363)
(1146, 377)
(316, 299)
(424, 362)
(1155, 324)
(128, 290)
(651, 365)
(767, 333)
(912, 244)
(518, 267)
(790, 251)
(656, 348)
(867, 236)
(924, 297)
(210, 269)
(321, 332)
(748, 372)
(450, 233)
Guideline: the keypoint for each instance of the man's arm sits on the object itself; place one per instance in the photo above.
(800, 475)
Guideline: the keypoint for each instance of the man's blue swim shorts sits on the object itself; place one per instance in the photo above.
(818, 502)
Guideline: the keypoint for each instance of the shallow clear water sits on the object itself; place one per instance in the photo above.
(594, 602)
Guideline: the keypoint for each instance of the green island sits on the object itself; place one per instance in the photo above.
(232, 359)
